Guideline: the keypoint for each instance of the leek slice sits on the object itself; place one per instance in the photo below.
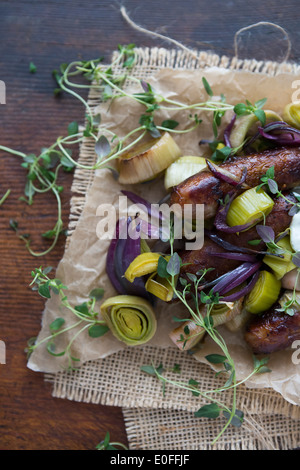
(251, 206)
(159, 287)
(239, 321)
(182, 169)
(292, 298)
(264, 294)
(188, 334)
(147, 160)
(244, 124)
(291, 114)
(145, 263)
(281, 266)
(131, 319)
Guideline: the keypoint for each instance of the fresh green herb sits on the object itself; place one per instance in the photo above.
(32, 67)
(3, 199)
(43, 169)
(107, 445)
(207, 87)
(220, 152)
(201, 313)
(242, 109)
(289, 307)
(268, 180)
(267, 234)
(87, 317)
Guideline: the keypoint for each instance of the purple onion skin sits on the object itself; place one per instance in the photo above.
(284, 134)
(110, 266)
(244, 291)
(242, 278)
(236, 256)
(236, 277)
(227, 132)
(139, 200)
(120, 254)
(218, 174)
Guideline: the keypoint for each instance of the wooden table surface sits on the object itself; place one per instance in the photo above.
(49, 33)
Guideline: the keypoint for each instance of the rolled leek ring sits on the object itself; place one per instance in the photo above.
(131, 319)
(249, 123)
(291, 114)
(281, 266)
(264, 294)
(145, 263)
(251, 206)
(182, 169)
(159, 287)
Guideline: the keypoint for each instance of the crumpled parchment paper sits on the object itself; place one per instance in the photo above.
(82, 267)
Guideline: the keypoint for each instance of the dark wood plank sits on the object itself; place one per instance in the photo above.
(50, 33)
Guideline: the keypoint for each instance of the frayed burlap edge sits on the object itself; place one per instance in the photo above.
(149, 429)
(90, 383)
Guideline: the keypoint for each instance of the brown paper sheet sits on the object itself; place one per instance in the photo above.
(83, 265)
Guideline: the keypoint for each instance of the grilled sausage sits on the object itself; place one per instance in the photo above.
(279, 219)
(272, 331)
(204, 188)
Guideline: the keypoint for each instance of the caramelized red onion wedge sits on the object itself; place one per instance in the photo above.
(110, 267)
(152, 212)
(242, 292)
(236, 256)
(226, 176)
(121, 252)
(279, 132)
(227, 132)
(236, 277)
(236, 249)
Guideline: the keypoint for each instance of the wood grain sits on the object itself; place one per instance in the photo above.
(50, 33)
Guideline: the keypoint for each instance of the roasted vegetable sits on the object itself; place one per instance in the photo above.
(131, 319)
(281, 266)
(250, 207)
(291, 114)
(264, 294)
(145, 263)
(182, 169)
(249, 123)
(148, 160)
(188, 334)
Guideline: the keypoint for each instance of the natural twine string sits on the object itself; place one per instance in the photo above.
(154, 34)
(190, 51)
(263, 23)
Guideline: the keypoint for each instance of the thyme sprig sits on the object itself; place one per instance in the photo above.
(86, 316)
(106, 444)
(5, 196)
(43, 170)
(189, 290)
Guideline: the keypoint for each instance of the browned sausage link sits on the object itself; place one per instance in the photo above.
(273, 331)
(204, 188)
(278, 219)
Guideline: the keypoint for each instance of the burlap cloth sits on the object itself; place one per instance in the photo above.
(155, 420)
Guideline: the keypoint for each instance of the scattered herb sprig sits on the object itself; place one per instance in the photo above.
(87, 317)
(43, 169)
(204, 318)
(4, 197)
(106, 444)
